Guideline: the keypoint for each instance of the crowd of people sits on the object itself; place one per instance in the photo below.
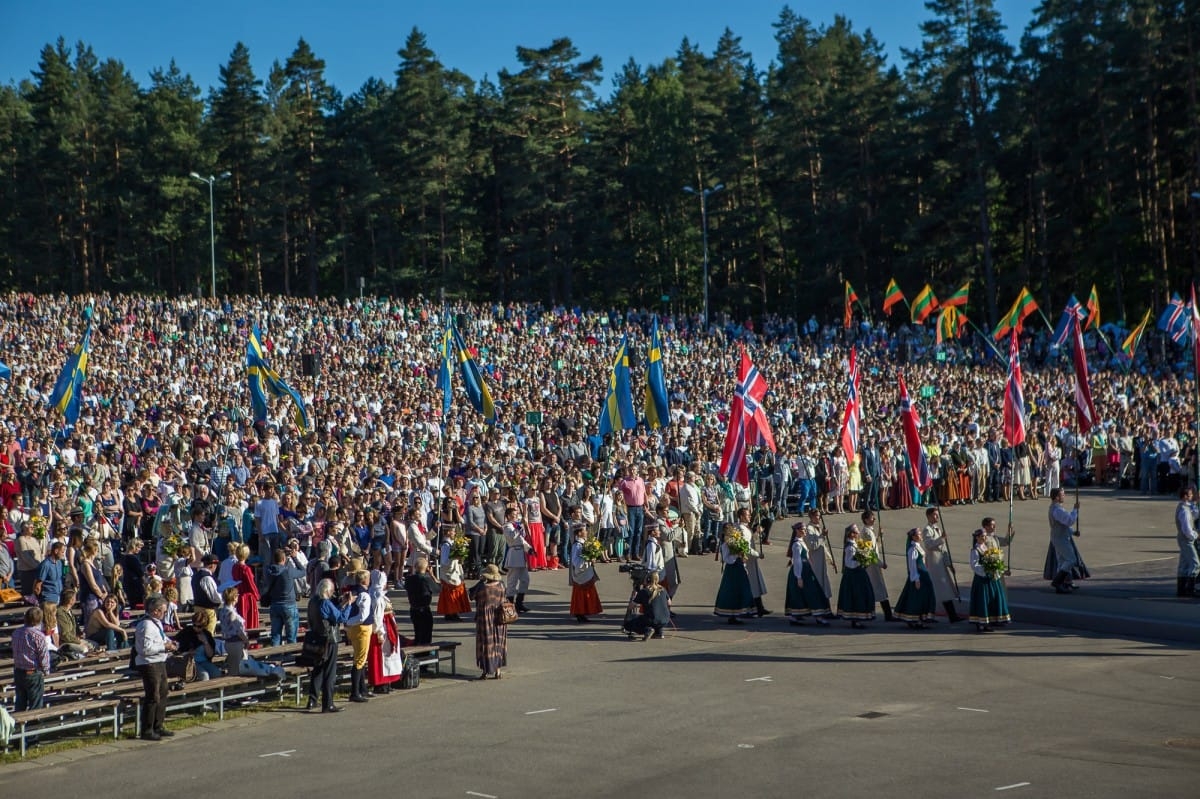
(166, 488)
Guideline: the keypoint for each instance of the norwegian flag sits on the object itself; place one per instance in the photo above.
(1085, 412)
(1195, 332)
(1014, 397)
(853, 414)
(922, 476)
(748, 423)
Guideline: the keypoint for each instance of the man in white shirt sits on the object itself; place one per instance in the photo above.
(690, 507)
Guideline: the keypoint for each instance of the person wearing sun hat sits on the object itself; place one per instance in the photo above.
(491, 637)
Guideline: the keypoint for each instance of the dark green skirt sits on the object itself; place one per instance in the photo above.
(807, 601)
(917, 604)
(989, 602)
(734, 597)
(856, 598)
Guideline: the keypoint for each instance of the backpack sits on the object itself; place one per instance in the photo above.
(412, 673)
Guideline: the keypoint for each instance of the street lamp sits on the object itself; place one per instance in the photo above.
(704, 194)
(212, 228)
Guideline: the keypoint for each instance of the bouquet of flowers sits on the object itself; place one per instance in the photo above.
(993, 563)
(460, 548)
(171, 545)
(737, 544)
(864, 553)
(37, 524)
(593, 550)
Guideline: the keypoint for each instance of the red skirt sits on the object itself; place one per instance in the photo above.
(585, 601)
(536, 558)
(375, 670)
(453, 600)
(247, 605)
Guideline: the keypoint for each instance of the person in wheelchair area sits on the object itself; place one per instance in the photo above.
(656, 609)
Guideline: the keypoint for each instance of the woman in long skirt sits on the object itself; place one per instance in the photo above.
(452, 599)
(383, 667)
(856, 598)
(989, 602)
(734, 598)
(585, 601)
(247, 589)
(805, 596)
(491, 637)
(917, 604)
(531, 509)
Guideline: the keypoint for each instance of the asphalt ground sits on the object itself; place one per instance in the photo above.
(764, 710)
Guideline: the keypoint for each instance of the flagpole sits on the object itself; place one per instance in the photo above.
(987, 339)
(1049, 326)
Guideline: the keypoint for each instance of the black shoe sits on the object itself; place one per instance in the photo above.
(821, 622)
(312, 703)
(331, 709)
(165, 733)
(735, 620)
(151, 736)
(1058, 589)
(796, 622)
(582, 619)
(453, 617)
(645, 636)
(359, 699)
(763, 612)
(657, 634)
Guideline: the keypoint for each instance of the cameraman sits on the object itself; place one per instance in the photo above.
(656, 609)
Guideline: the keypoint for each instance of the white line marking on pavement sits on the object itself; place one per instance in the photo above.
(484, 795)
(1133, 562)
(1165, 677)
(974, 710)
(532, 713)
(745, 746)
(284, 753)
(758, 679)
(1010, 787)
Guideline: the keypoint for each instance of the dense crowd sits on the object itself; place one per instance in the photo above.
(166, 478)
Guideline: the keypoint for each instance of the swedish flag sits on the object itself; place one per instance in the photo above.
(477, 390)
(617, 411)
(261, 379)
(67, 396)
(443, 379)
(658, 409)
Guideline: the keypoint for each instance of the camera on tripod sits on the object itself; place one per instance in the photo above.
(636, 572)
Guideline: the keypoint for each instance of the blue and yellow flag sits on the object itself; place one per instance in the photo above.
(67, 396)
(443, 378)
(617, 411)
(657, 407)
(5, 371)
(477, 390)
(262, 379)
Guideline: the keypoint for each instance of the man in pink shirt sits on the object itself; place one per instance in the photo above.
(633, 489)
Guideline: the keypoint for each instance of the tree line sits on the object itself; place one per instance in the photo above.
(1067, 160)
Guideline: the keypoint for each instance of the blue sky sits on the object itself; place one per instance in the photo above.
(359, 39)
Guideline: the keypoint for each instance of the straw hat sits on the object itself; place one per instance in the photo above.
(491, 573)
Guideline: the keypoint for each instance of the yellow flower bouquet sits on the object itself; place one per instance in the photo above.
(460, 548)
(593, 550)
(864, 553)
(993, 563)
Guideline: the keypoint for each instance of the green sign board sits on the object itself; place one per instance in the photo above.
(927, 392)
(533, 417)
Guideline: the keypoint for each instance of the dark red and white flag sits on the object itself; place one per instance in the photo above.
(1085, 412)
(1014, 396)
(922, 476)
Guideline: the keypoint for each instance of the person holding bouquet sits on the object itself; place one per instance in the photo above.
(989, 602)
(917, 604)
(585, 601)
(734, 597)
(452, 599)
(805, 594)
(856, 598)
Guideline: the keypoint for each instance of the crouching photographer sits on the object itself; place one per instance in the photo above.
(655, 608)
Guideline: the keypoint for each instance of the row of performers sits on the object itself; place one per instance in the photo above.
(930, 580)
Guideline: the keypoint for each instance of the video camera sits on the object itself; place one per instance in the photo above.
(636, 572)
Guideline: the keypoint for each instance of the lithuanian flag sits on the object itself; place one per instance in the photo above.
(959, 297)
(851, 298)
(924, 305)
(1129, 347)
(892, 296)
(1093, 310)
(950, 323)
(1024, 306)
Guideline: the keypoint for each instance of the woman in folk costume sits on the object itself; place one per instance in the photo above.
(491, 637)
(989, 601)
(917, 604)
(1185, 537)
(875, 572)
(359, 629)
(247, 589)
(819, 556)
(452, 599)
(384, 663)
(531, 510)
(805, 596)
(734, 598)
(856, 598)
(585, 601)
(758, 583)
(670, 575)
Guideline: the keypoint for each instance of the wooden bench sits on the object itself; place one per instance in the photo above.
(433, 655)
(68, 716)
(201, 694)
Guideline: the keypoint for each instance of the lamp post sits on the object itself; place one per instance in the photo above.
(212, 228)
(704, 194)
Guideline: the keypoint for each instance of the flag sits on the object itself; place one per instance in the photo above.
(748, 423)
(892, 296)
(445, 370)
(853, 413)
(1014, 396)
(959, 297)
(262, 379)
(67, 396)
(477, 390)
(1195, 319)
(1022, 307)
(851, 298)
(1085, 412)
(1174, 319)
(950, 323)
(657, 408)
(924, 305)
(5, 371)
(1093, 310)
(1063, 329)
(617, 411)
(1129, 347)
(922, 476)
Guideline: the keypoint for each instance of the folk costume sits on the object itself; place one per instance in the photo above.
(1064, 564)
(989, 601)
(734, 597)
(452, 599)
(385, 664)
(1185, 537)
(856, 597)
(805, 594)
(585, 601)
(874, 573)
(917, 604)
(939, 566)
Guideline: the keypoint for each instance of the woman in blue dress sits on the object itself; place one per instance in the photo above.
(805, 596)
(856, 598)
(734, 597)
(989, 602)
(917, 604)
